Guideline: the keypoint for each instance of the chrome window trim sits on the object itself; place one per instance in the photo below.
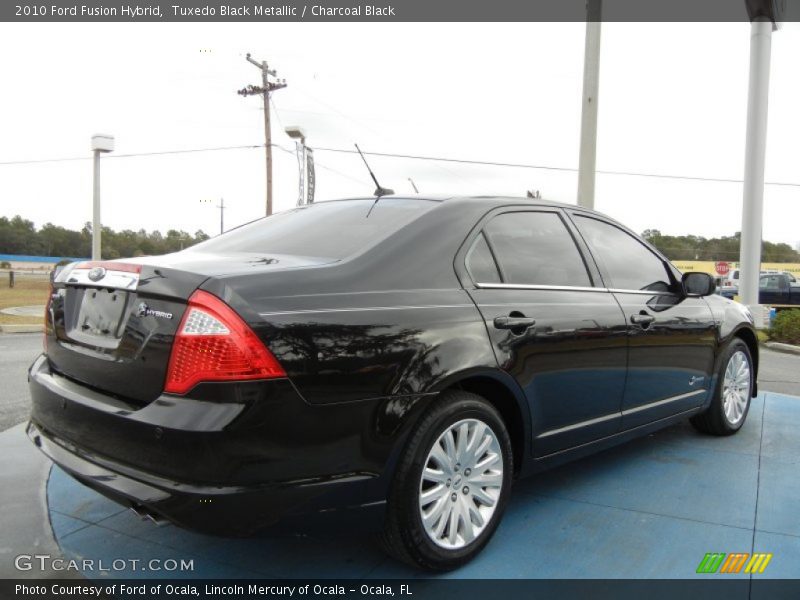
(568, 288)
(641, 292)
(361, 309)
(523, 286)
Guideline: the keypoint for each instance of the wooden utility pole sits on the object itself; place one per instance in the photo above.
(265, 89)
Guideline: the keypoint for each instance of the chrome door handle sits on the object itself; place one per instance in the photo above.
(513, 322)
(642, 319)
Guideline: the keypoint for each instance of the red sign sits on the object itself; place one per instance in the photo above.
(722, 268)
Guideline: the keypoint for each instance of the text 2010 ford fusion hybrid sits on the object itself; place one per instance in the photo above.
(418, 352)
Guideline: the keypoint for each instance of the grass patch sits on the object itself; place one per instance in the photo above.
(28, 290)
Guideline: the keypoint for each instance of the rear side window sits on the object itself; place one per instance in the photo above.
(480, 262)
(333, 230)
(536, 248)
(626, 260)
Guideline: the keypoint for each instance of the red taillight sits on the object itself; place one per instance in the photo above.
(213, 343)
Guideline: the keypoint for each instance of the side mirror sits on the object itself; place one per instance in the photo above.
(698, 284)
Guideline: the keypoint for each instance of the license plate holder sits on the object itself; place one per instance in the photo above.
(101, 313)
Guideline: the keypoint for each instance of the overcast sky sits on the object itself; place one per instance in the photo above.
(672, 101)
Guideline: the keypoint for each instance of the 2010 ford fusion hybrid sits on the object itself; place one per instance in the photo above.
(418, 352)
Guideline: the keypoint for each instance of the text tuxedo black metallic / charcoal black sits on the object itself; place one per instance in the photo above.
(416, 351)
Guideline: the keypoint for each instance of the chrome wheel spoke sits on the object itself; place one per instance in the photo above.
(482, 447)
(468, 528)
(434, 475)
(431, 494)
(452, 526)
(461, 443)
(478, 443)
(444, 517)
(483, 497)
(487, 461)
(488, 479)
(436, 514)
(450, 446)
(441, 457)
(474, 514)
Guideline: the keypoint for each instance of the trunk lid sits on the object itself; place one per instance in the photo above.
(110, 325)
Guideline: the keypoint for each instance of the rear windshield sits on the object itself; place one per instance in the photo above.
(336, 229)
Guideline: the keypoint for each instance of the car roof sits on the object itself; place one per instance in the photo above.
(486, 199)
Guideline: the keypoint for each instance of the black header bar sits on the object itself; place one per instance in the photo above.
(377, 11)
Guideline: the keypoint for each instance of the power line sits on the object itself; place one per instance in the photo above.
(549, 168)
(320, 165)
(410, 157)
(130, 155)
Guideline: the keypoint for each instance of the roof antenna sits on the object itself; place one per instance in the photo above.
(379, 191)
(413, 185)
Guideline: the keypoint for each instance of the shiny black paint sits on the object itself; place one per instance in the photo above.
(671, 357)
(367, 343)
(571, 364)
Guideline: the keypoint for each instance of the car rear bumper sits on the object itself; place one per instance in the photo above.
(229, 511)
(217, 466)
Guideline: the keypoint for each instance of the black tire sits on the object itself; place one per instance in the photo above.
(714, 420)
(404, 535)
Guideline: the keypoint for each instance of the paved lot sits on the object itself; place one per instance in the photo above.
(779, 372)
(651, 508)
(17, 352)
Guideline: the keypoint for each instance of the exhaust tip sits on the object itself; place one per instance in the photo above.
(146, 514)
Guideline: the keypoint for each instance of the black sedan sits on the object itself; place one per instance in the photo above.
(416, 352)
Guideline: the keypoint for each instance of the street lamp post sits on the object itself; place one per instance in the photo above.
(299, 136)
(100, 144)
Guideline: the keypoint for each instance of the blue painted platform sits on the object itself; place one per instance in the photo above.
(649, 509)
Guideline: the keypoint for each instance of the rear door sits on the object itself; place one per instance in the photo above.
(552, 328)
(672, 338)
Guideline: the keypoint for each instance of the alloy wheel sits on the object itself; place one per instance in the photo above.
(461, 481)
(736, 387)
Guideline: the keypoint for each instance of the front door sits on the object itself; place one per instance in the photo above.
(671, 337)
(553, 326)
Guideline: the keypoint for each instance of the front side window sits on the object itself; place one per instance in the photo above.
(626, 261)
(536, 248)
